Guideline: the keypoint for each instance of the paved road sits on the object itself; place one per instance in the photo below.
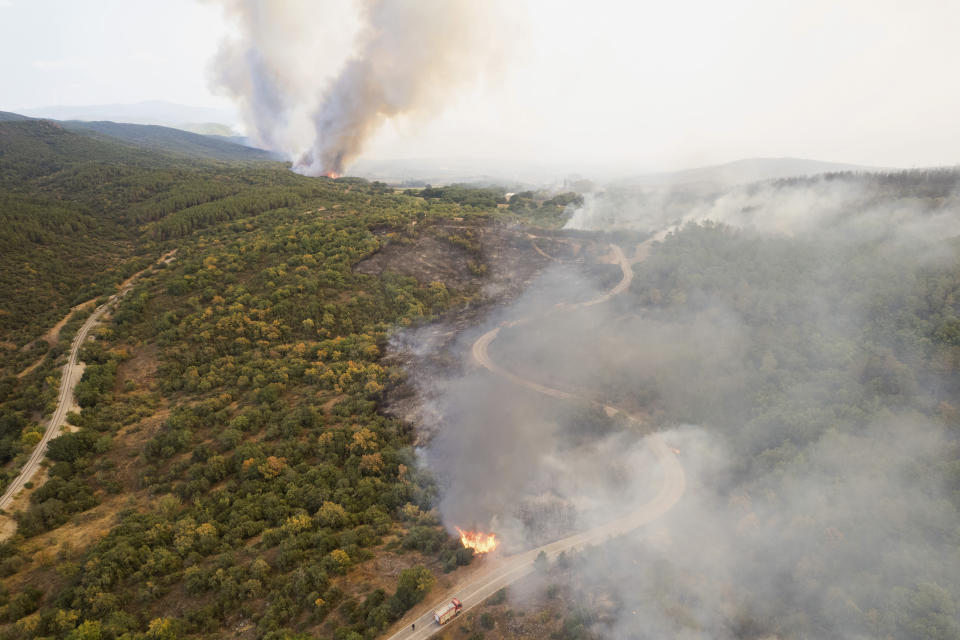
(507, 570)
(68, 381)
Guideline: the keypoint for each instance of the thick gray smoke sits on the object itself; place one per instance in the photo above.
(837, 203)
(317, 81)
(272, 63)
(842, 538)
(520, 462)
(816, 354)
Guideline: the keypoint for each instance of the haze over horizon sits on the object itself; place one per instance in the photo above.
(650, 88)
(486, 319)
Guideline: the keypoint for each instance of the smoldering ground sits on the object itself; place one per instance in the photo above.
(820, 368)
(504, 454)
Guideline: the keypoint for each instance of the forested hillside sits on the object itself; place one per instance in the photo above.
(230, 468)
(234, 472)
(75, 199)
(171, 141)
(81, 213)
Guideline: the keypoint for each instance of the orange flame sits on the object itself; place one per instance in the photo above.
(479, 542)
(332, 174)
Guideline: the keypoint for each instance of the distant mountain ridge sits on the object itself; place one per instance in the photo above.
(745, 171)
(7, 116)
(207, 140)
(156, 112)
(165, 140)
(441, 170)
(170, 140)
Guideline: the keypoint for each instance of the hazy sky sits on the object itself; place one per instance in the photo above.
(651, 85)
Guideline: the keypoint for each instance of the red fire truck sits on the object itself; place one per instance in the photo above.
(448, 612)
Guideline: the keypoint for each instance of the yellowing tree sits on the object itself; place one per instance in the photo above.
(371, 463)
(332, 515)
(364, 440)
(273, 467)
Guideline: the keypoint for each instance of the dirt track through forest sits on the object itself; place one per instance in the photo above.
(68, 382)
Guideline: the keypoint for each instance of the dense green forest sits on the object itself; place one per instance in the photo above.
(272, 471)
(81, 214)
(229, 438)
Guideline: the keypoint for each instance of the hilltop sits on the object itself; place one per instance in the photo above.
(155, 112)
(165, 140)
(79, 205)
(172, 141)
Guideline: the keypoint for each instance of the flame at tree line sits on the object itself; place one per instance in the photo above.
(479, 542)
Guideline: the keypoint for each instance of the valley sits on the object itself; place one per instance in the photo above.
(278, 432)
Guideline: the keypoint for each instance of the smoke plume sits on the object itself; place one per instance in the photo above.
(317, 81)
(813, 346)
(841, 203)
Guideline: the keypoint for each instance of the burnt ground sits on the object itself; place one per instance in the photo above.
(427, 259)
(498, 259)
(483, 266)
(487, 267)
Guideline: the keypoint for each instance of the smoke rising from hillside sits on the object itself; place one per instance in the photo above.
(812, 352)
(304, 89)
(838, 203)
(271, 63)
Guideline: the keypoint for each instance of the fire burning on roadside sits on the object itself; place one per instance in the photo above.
(479, 542)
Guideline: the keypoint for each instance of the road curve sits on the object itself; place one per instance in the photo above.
(507, 570)
(68, 381)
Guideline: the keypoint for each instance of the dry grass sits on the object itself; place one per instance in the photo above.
(140, 368)
(8, 526)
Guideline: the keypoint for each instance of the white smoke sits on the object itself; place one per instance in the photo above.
(850, 204)
(317, 79)
(273, 61)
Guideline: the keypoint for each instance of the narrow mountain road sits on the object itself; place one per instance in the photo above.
(507, 570)
(68, 382)
(51, 337)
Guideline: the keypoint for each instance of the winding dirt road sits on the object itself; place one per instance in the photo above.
(507, 570)
(72, 372)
